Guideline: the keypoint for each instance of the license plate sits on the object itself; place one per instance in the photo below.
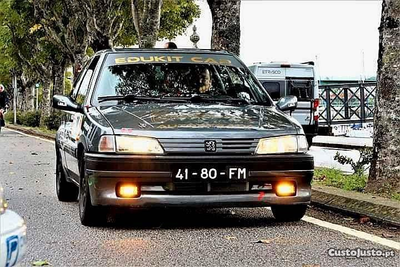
(210, 174)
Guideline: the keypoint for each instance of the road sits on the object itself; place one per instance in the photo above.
(184, 237)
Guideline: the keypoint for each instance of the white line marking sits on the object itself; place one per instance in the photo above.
(42, 139)
(349, 231)
(373, 238)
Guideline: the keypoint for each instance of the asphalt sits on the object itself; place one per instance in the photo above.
(183, 237)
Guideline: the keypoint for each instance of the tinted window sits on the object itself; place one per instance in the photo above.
(179, 80)
(86, 78)
(274, 89)
(302, 88)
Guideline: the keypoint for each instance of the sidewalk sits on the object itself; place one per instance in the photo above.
(342, 141)
(360, 204)
(31, 131)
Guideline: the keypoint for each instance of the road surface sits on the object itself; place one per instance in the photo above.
(183, 237)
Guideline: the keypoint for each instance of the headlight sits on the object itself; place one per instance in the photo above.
(282, 144)
(3, 202)
(130, 144)
(138, 145)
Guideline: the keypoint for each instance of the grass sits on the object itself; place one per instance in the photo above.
(336, 178)
(396, 196)
(38, 129)
(351, 182)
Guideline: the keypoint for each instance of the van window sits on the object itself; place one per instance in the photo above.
(301, 88)
(273, 89)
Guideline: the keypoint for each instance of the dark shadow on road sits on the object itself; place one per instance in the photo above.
(198, 218)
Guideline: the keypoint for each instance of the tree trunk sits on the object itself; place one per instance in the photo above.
(225, 25)
(58, 80)
(46, 103)
(146, 18)
(385, 167)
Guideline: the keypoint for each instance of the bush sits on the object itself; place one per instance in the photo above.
(360, 166)
(53, 121)
(9, 117)
(30, 118)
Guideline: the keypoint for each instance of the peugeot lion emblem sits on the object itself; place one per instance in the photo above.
(210, 146)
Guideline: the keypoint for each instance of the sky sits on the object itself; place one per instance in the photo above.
(338, 35)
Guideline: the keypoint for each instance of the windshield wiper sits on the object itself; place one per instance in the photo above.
(131, 98)
(126, 98)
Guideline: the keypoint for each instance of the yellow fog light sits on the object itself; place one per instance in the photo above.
(127, 190)
(284, 189)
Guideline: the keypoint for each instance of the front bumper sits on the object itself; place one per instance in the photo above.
(159, 188)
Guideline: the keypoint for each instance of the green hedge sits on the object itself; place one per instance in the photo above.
(32, 119)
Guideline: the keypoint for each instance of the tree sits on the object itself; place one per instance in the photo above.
(385, 167)
(106, 20)
(146, 18)
(67, 27)
(225, 25)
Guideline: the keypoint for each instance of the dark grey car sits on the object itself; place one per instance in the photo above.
(165, 128)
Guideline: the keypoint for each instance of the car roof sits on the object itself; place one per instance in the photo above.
(282, 64)
(165, 50)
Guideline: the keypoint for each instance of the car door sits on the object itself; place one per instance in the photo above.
(66, 124)
(74, 129)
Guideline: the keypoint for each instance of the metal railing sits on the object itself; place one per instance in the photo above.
(347, 103)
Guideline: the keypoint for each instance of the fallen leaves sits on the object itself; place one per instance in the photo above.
(227, 237)
(364, 219)
(40, 263)
(387, 235)
(264, 241)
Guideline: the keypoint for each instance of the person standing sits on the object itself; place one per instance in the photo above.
(3, 104)
(170, 45)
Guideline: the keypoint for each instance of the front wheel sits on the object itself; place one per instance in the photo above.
(289, 213)
(90, 215)
(66, 192)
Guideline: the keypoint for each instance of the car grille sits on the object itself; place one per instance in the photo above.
(196, 146)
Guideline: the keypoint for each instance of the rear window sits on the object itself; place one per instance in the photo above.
(301, 88)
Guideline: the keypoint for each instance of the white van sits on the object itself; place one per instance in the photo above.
(282, 79)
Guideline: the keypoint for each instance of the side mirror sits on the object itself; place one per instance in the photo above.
(287, 103)
(66, 103)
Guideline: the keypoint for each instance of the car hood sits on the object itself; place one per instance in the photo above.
(156, 116)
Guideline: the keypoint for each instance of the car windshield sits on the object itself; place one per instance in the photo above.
(179, 82)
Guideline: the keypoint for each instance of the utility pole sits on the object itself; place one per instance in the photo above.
(15, 98)
(37, 96)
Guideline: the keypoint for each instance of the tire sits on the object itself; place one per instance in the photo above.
(90, 215)
(66, 192)
(289, 213)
